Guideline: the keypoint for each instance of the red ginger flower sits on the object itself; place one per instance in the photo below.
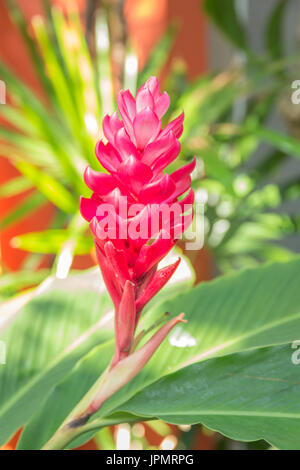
(136, 155)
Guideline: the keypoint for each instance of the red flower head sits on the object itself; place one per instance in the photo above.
(136, 211)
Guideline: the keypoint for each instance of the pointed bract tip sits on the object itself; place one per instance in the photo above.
(181, 318)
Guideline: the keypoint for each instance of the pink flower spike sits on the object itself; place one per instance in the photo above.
(125, 146)
(162, 105)
(158, 191)
(182, 186)
(126, 369)
(88, 208)
(165, 159)
(176, 126)
(144, 99)
(127, 111)
(153, 253)
(182, 226)
(184, 171)
(146, 127)
(136, 212)
(158, 281)
(125, 321)
(159, 147)
(134, 174)
(127, 106)
(153, 85)
(109, 278)
(107, 156)
(100, 183)
(111, 125)
(118, 262)
(187, 201)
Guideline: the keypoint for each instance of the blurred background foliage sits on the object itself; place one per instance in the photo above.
(250, 200)
(249, 214)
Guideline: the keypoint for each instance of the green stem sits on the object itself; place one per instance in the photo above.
(112, 380)
(63, 439)
(74, 423)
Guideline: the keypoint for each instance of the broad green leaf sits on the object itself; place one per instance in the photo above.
(47, 326)
(253, 309)
(45, 340)
(13, 282)
(246, 396)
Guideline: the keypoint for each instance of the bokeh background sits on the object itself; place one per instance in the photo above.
(230, 65)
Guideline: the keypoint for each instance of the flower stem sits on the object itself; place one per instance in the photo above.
(73, 424)
(112, 380)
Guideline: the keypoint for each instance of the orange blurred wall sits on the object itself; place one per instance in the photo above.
(148, 19)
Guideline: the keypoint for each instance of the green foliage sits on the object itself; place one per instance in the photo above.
(230, 366)
(215, 369)
(53, 139)
(45, 341)
(246, 396)
(274, 39)
(51, 242)
(228, 22)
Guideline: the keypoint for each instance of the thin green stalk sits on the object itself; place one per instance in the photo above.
(73, 425)
(112, 380)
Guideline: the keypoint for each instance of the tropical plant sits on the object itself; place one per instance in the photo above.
(217, 369)
(231, 367)
(50, 140)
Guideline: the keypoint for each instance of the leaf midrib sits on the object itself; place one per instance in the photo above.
(206, 355)
(222, 346)
(202, 356)
(266, 414)
(36, 378)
